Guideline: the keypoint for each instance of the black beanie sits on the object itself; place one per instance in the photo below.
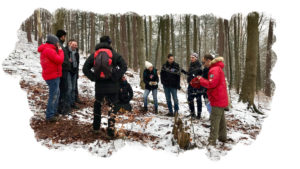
(60, 33)
(51, 39)
(105, 39)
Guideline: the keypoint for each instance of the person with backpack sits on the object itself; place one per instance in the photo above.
(108, 68)
(151, 80)
(194, 71)
(125, 95)
(170, 78)
(51, 60)
(217, 95)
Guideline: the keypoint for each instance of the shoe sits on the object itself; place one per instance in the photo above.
(111, 133)
(52, 119)
(96, 132)
(170, 114)
(156, 111)
(145, 109)
(79, 101)
(74, 106)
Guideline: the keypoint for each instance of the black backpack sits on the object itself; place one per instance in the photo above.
(103, 64)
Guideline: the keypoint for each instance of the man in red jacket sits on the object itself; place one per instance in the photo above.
(217, 95)
(51, 59)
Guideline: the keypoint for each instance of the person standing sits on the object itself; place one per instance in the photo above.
(151, 80)
(170, 78)
(108, 68)
(64, 106)
(194, 71)
(51, 60)
(72, 81)
(217, 95)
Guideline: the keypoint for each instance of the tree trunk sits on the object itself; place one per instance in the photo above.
(158, 42)
(150, 39)
(195, 36)
(129, 37)
(28, 30)
(236, 57)
(92, 46)
(141, 50)
(124, 48)
(221, 38)
(249, 80)
(39, 27)
(135, 43)
(268, 90)
(187, 37)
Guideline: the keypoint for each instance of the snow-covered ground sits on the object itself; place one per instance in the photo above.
(242, 125)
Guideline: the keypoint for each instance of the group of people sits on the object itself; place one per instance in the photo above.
(106, 67)
(60, 67)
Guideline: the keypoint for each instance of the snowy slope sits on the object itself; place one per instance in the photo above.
(147, 129)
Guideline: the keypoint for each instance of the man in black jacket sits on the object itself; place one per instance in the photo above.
(151, 80)
(170, 78)
(105, 88)
(74, 59)
(125, 95)
(194, 71)
(64, 107)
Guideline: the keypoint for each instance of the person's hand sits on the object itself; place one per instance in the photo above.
(70, 59)
(199, 77)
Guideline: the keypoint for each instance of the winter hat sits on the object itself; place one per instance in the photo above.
(148, 64)
(60, 33)
(105, 39)
(195, 55)
(51, 39)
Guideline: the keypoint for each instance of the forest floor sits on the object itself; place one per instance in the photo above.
(137, 127)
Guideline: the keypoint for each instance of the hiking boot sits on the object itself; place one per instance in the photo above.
(170, 114)
(74, 106)
(156, 111)
(198, 116)
(145, 109)
(192, 114)
(52, 119)
(96, 132)
(111, 133)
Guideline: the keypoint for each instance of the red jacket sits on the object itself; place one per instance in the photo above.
(216, 84)
(51, 61)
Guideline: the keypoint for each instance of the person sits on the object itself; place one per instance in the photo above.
(109, 67)
(151, 80)
(204, 90)
(194, 71)
(51, 59)
(170, 78)
(64, 106)
(73, 73)
(217, 95)
(125, 95)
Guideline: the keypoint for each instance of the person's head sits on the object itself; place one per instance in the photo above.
(105, 39)
(194, 57)
(171, 58)
(207, 60)
(51, 39)
(148, 66)
(61, 34)
(73, 45)
(70, 41)
(123, 78)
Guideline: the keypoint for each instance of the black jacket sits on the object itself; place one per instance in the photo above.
(106, 86)
(170, 75)
(72, 69)
(66, 66)
(194, 70)
(150, 76)
(125, 92)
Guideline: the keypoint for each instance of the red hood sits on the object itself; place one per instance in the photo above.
(217, 62)
(42, 47)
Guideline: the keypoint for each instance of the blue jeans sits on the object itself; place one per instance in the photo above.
(154, 94)
(168, 92)
(53, 99)
(72, 80)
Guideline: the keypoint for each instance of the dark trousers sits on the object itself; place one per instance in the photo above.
(112, 100)
(191, 98)
(64, 106)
